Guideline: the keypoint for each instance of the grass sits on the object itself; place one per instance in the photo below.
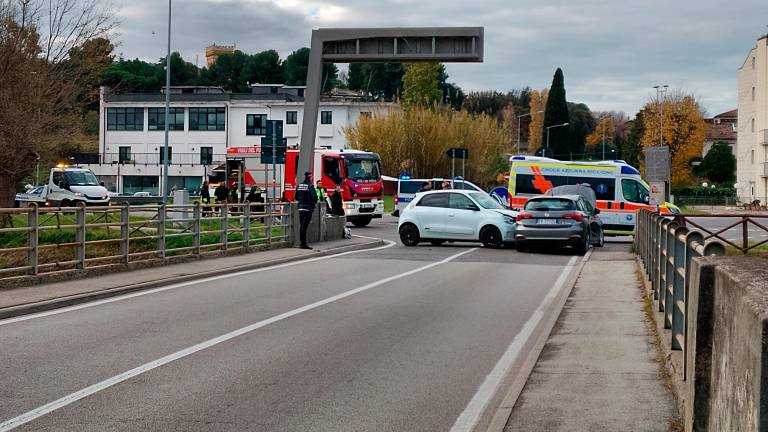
(389, 203)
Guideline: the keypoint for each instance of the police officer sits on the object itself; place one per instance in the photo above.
(306, 197)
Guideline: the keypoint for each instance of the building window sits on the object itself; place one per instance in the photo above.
(752, 156)
(753, 62)
(156, 119)
(124, 155)
(170, 154)
(256, 124)
(753, 93)
(326, 117)
(206, 155)
(206, 119)
(125, 119)
(753, 125)
(291, 117)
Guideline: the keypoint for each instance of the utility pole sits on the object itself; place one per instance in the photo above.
(519, 126)
(167, 107)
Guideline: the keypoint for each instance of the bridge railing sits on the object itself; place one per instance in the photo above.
(667, 248)
(36, 240)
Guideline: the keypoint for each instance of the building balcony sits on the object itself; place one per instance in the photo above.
(763, 134)
(764, 171)
(184, 159)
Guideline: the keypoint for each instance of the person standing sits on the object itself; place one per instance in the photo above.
(205, 199)
(426, 186)
(322, 197)
(306, 197)
(337, 203)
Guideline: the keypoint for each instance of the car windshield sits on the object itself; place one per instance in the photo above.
(363, 170)
(410, 186)
(550, 204)
(486, 201)
(81, 178)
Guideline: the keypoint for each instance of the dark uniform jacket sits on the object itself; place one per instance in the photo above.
(306, 196)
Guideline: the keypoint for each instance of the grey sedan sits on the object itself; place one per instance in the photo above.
(567, 220)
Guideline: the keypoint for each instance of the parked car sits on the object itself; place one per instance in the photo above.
(561, 220)
(456, 215)
(31, 195)
(407, 188)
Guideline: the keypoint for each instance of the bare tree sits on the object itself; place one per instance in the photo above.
(38, 85)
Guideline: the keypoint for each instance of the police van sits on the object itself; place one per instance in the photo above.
(407, 188)
(619, 189)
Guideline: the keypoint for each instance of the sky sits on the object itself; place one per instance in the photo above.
(612, 52)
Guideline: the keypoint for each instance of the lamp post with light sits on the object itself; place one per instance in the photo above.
(546, 149)
(519, 126)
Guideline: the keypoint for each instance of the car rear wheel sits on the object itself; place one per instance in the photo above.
(361, 222)
(490, 237)
(409, 235)
(583, 246)
(66, 203)
(601, 238)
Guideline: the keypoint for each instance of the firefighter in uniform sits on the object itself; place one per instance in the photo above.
(306, 197)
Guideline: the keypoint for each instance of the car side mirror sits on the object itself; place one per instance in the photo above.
(597, 211)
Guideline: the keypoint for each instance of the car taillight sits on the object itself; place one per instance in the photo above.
(521, 216)
(395, 199)
(575, 216)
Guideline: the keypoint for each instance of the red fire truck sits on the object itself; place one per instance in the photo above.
(356, 171)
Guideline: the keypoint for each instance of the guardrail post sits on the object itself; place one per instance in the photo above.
(246, 225)
(224, 225)
(679, 290)
(270, 209)
(661, 285)
(33, 236)
(161, 215)
(80, 235)
(744, 233)
(125, 232)
(196, 214)
(655, 253)
(669, 274)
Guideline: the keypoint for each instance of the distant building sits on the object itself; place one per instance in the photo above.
(721, 127)
(752, 137)
(205, 124)
(212, 52)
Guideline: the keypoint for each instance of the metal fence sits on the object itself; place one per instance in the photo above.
(37, 240)
(667, 248)
(148, 158)
(742, 232)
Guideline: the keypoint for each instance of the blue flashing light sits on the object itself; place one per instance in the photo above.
(405, 177)
(626, 169)
(518, 158)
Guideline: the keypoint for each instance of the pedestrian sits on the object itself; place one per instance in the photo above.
(221, 193)
(447, 185)
(337, 203)
(205, 199)
(306, 197)
(322, 196)
(426, 187)
(257, 202)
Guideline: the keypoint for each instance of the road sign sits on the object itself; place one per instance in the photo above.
(657, 163)
(458, 153)
(273, 153)
(275, 128)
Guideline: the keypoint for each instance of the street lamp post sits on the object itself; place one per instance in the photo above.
(519, 125)
(661, 91)
(546, 149)
(167, 107)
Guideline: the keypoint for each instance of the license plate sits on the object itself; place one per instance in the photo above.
(367, 205)
(551, 221)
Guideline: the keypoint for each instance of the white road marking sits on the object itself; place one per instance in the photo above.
(184, 284)
(76, 396)
(468, 419)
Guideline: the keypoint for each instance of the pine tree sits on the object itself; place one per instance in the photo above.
(557, 114)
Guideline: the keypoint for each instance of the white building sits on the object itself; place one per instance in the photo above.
(752, 138)
(205, 122)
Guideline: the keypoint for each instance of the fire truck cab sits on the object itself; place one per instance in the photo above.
(358, 174)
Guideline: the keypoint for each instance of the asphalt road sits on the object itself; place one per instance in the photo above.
(734, 234)
(394, 339)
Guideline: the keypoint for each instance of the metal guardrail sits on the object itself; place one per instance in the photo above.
(737, 221)
(667, 248)
(42, 239)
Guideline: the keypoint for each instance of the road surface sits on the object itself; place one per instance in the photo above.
(393, 339)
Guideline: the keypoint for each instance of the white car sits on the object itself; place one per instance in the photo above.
(456, 215)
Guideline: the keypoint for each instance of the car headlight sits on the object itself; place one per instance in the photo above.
(509, 220)
(78, 194)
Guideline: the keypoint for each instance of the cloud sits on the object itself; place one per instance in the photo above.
(611, 52)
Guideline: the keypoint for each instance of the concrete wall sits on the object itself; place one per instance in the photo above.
(727, 352)
(323, 227)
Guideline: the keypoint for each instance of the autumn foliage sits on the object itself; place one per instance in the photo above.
(684, 131)
(416, 140)
(536, 127)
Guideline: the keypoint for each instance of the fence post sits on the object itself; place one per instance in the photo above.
(678, 290)
(655, 251)
(80, 235)
(196, 214)
(744, 233)
(269, 219)
(669, 272)
(32, 238)
(224, 225)
(125, 232)
(246, 225)
(161, 215)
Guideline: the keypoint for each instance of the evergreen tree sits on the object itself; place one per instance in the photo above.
(421, 84)
(719, 165)
(556, 113)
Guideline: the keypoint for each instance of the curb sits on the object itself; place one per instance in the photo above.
(57, 303)
(504, 410)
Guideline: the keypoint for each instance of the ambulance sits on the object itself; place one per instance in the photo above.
(619, 189)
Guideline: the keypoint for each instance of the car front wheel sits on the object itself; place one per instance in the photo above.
(490, 237)
(409, 235)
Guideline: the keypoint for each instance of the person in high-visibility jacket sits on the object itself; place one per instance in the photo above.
(322, 196)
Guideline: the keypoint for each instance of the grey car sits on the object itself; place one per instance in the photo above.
(567, 220)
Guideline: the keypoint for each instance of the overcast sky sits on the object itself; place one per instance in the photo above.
(612, 52)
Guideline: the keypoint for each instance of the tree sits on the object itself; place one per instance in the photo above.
(421, 84)
(38, 87)
(378, 80)
(631, 147)
(684, 131)
(297, 64)
(133, 76)
(264, 68)
(453, 95)
(91, 59)
(719, 165)
(182, 72)
(556, 113)
(538, 103)
(415, 140)
(227, 72)
(581, 124)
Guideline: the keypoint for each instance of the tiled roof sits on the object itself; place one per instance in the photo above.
(724, 132)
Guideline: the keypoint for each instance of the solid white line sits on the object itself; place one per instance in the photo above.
(468, 419)
(184, 284)
(76, 396)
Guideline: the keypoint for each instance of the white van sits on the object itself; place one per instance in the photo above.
(69, 186)
(407, 188)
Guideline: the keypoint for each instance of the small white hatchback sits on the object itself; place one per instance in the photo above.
(456, 215)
